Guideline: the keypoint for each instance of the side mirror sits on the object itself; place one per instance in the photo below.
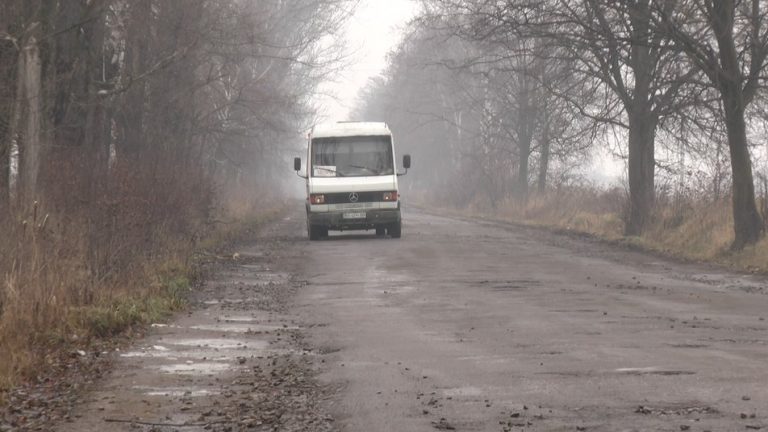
(406, 165)
(297, 164)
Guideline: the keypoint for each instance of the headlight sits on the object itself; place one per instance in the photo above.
(390, 196)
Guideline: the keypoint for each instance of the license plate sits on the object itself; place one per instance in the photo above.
(354, 215)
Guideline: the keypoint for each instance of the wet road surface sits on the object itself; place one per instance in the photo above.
(488, 327)
(234, 362)
(457, 326)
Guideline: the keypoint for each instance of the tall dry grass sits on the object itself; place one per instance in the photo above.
(686, 227)
(74, 273)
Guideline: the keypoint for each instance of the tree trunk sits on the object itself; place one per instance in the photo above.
(641, 169)
(8, 66)
(544, 160)
(97, 125)
(522, 172)
(526, 126)
(136, 63)
(29, 95)
(5, 171)
(642, 123)
(747, 224)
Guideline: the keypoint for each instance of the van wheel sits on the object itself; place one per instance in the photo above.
(381, 231)
(395, 230)
(314, 232)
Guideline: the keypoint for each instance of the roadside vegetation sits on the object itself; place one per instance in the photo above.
(136, 138)
(689, 229)
(521, 109)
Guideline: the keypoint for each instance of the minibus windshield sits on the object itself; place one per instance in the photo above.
(357, 156)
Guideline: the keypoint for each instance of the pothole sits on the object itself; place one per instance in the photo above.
(675, 410)
(219, 343)
(652, 371)
(242, 328)
(463, 391)
(175, 391)
(688, 345)
(202, 368)
(239, 319)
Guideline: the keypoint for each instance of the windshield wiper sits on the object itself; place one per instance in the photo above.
(373, 171)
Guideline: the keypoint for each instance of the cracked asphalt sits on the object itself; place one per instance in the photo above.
(459, 325)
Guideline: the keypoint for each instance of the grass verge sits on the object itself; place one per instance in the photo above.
(51, 306)
(685, 229)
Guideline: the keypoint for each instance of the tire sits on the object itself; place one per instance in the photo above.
(395, 230)
(314, 232)
(381, 231)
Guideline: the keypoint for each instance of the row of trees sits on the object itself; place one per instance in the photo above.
(127, 122)
(113, 86)
(510, 85)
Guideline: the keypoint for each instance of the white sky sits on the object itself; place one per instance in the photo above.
(372, 32)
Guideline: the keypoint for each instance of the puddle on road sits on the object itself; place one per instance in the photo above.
(688, 345)
(211, 349)
(492, 359)
(652, 371)
(463, 391)
(261, 278)
(210, 354)
(242, 328)
(175, 391)
(219, 343)
(233, 301)
(236, 325)
(239, 319)
(204, 368)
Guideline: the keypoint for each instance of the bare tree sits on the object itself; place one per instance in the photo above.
(610, 46)
(639, 69)
(730, 46)
(8, 59)
(479, 111)
(133, 123)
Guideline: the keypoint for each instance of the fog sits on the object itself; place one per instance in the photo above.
(147, 170)
(500, 103)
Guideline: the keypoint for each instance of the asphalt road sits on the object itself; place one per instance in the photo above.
(491, 327)
(458, 325)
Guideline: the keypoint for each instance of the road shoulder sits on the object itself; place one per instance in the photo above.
(234, 361)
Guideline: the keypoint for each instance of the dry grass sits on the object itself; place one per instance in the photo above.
(689, 229)
(52, 302)
(581, 210)
(68, 283)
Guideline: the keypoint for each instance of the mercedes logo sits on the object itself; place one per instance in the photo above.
(353, 197)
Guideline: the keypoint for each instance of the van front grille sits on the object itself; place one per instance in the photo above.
(345, 197)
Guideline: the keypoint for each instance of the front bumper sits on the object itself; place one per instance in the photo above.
(374, 218)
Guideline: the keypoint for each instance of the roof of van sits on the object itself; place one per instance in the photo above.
(341, 129)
